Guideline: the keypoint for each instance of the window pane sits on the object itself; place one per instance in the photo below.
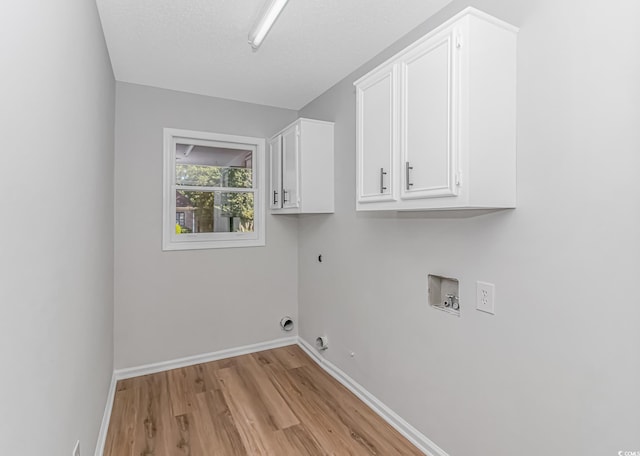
(213, 212)
(213, 166)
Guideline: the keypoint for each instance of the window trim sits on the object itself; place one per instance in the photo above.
(192, 241)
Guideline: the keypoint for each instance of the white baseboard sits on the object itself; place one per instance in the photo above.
(204, 358)
(421, 441)
(106, 417)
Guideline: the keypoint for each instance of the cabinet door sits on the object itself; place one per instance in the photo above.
(429, 152)
(376, 135)
(275, 172)
(290, 167)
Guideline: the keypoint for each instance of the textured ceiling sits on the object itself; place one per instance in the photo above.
(200, 46)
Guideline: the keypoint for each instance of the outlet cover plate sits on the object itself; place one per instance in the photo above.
(485, 297)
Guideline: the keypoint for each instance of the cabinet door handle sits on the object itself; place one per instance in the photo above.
(284, 196)
(275, 197)
(382, 174)
(407, 171)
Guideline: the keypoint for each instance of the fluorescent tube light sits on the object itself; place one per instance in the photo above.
(268, 16)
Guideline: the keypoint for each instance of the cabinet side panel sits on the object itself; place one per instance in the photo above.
(492, 115)
(316, 161)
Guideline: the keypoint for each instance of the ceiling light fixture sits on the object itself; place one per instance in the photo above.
(268, 16)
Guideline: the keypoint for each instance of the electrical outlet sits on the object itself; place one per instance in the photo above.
(485, 297)
(76, 449)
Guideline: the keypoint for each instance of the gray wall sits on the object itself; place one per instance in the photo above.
(175, 304)
(56, 289)
(556, 370)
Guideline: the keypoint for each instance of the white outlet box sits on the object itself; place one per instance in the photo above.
(76, 449)
(485, 297)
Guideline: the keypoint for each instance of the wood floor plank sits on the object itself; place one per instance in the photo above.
(160, 427)
(288, 357)
(302, 441)
(256, 429)
(325, 405)
(146, 424)
(277, 403)
(219, 425)
(120, 427)
(303, 405)
(364, 425)
(184, 428)
(209, 370)
(184, 384)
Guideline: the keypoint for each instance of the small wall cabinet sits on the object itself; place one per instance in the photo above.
(301, 168)
(436, 123)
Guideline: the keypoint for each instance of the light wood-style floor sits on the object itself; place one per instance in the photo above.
(276, 402)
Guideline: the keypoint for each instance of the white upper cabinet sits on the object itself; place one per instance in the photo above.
(301, 163)
(440, 116)
(377, 134)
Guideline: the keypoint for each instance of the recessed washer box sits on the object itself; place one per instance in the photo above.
(444, 293)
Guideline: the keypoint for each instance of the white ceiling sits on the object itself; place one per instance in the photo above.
(200, 46)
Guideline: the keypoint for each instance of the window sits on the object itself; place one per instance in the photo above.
(213, 187)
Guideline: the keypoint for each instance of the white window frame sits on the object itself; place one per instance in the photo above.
(191, 241)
